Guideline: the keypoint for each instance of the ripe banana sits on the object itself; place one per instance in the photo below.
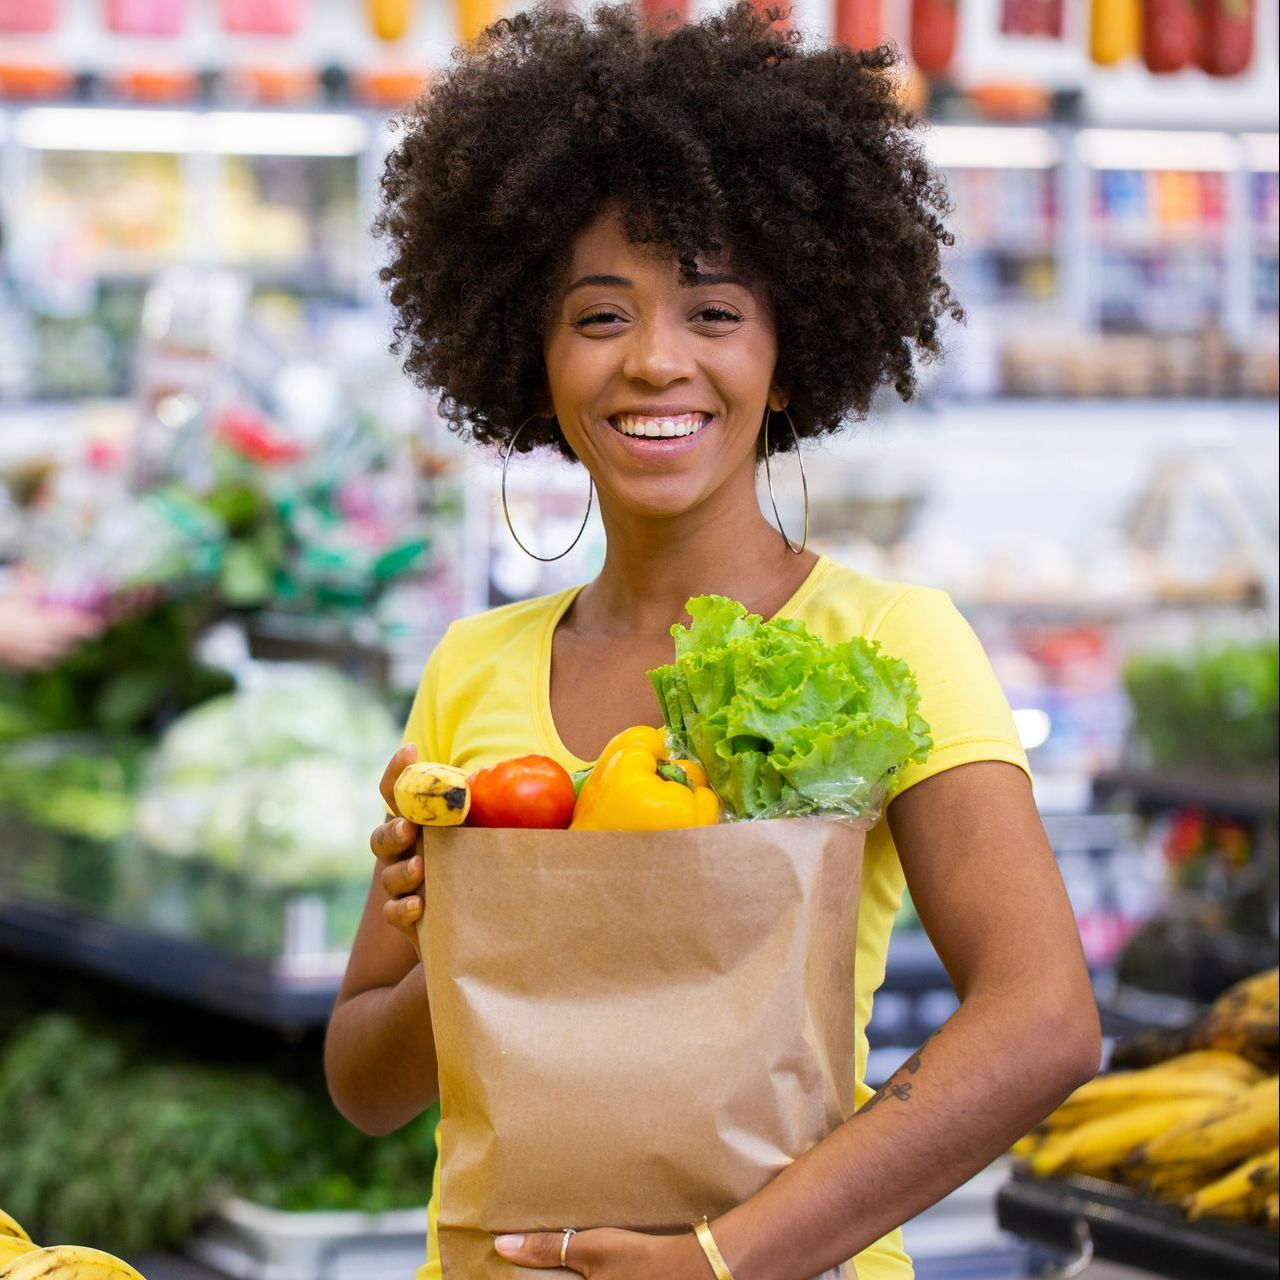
(1245, 1019)
(1173, 1183)
(1271, 1211)
(12, 1247)
(1240, 1194)
(68, 1262)
(1105, 1095)
(10, 1226)
(1107, 1142)
(1262, 992)
(433, 795)
(1220, 1060)
(1241, 1127)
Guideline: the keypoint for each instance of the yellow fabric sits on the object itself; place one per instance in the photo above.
(484, 696)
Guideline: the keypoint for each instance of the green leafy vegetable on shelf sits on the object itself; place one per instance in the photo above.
(783, 723)
(1216, 706)
(111, 1141)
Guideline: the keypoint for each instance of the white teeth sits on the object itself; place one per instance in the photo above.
(684, 424)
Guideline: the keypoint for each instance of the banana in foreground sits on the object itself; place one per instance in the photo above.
(1245, 1126)
(68, 1262)
(433, 795)
(12, 1247)
(10, 1226)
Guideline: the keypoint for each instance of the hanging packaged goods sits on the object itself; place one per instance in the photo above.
(261, 17)
(474, 15)
(1115, 30)
(28, 15)
(1226, 36)
(1031, 18)
(146, 17)
(389, 19)
(1170, 35)
(933, 34)
(664, 13)
(859, 23)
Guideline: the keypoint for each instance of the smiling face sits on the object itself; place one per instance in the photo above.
(659, 387)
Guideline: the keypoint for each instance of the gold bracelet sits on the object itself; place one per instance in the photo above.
(702, 1228)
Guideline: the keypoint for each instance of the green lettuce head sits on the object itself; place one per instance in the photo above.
(784, 724)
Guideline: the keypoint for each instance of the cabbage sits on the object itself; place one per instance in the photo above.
(278, 780)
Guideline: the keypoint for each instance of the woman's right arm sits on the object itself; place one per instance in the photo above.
(379, 1051)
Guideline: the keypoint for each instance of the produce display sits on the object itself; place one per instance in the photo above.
(272, 779)
(125, 1136)
(1217, 707)
(1194, 1121)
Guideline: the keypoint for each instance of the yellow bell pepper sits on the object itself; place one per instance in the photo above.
(634, 787)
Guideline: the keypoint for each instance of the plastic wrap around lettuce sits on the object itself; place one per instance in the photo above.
(273, 780)
(784, 724)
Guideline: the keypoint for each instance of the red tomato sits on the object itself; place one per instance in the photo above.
(529, 791)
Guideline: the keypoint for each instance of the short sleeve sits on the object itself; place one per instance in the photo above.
(968, 715)
(422, 728)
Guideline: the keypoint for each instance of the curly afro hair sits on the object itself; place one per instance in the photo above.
(722, 138)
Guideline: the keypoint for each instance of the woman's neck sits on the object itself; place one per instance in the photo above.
(652, 566)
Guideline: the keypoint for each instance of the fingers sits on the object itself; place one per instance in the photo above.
(402, 877)
(542, 1249)
(404, 913)
(406, 755)
(393, 838)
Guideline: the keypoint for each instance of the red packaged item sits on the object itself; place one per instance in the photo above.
(663, 15)
(146, 17)
(933, 34)
(28, 15)
(1226, 36)
(859, 23)
(261, 17)
(1170, 35)
(1031, 18)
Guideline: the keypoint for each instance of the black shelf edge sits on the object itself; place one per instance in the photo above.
(1250, 796)
(190, 972)
(1132, 1231)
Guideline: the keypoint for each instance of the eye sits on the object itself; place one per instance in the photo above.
(719, 315)
(596, 317)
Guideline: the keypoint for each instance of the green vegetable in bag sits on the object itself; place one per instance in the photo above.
(784, 724)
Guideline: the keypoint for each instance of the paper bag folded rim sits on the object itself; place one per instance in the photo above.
(633, 1028)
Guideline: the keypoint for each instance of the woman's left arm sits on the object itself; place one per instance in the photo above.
(987, 888)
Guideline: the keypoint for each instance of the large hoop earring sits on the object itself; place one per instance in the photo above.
(804, 483)
(506, 511)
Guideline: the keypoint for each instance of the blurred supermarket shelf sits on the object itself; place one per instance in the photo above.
(290, 999)
(1247, 797)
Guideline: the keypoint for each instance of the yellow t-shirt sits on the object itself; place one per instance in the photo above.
(484, 697)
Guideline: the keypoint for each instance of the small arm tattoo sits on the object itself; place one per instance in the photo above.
(902, 1090)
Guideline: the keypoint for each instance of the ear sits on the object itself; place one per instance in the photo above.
(778, 398)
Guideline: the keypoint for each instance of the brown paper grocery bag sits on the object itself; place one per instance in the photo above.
(634, 1029)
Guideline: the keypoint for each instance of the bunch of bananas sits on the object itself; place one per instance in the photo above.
(22, 1260)
(1198, 1130)
(1245, 1019)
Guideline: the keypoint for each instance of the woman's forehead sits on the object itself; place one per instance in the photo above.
(602, 248)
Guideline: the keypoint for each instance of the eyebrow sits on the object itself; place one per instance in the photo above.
(621, 282)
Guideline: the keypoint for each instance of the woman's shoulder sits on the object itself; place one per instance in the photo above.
(843, 601)
(477, 634)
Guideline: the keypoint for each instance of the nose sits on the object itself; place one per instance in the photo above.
(657, 353)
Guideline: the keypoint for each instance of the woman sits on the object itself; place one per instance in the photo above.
(648, 251)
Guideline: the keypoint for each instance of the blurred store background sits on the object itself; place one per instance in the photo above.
(230, 532)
